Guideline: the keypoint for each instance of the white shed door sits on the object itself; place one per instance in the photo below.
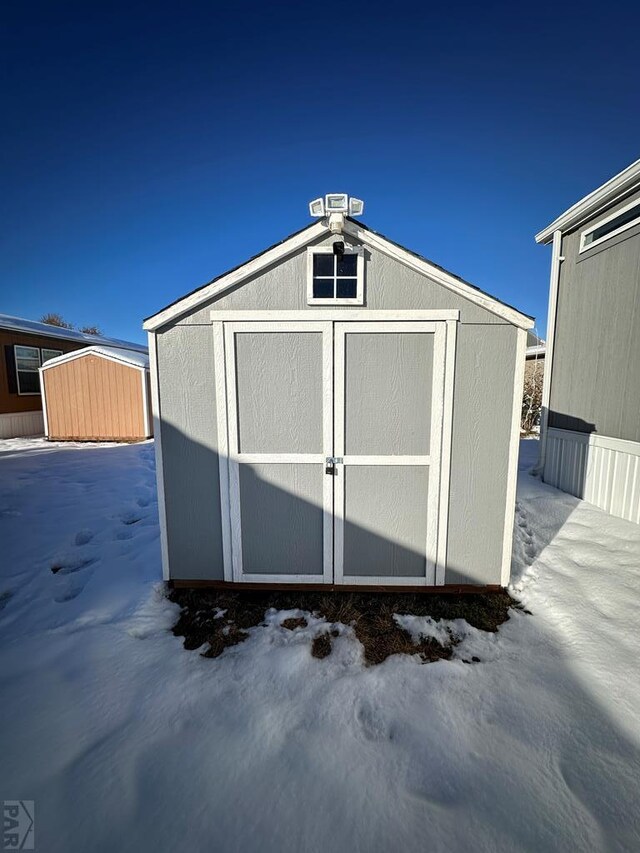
(335, 440)
(389, 385)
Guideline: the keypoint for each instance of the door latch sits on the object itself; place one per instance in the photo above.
(330, 467)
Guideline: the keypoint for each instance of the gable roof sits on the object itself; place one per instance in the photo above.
(301, 239)
(624, 182)
(132, 358)
(31, 327)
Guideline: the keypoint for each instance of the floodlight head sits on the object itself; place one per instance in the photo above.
(316, 207)
(336, 205)
(336, 202)
(356, 206)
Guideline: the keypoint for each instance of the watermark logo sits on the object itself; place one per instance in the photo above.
(18, 827)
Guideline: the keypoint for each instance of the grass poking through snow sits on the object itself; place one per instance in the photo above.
(370, 615)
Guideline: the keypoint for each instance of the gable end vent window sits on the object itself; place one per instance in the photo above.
(335, 276)
(611, 226)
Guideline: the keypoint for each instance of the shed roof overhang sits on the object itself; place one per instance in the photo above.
(621, 184)
(131, 358)
(308, 235)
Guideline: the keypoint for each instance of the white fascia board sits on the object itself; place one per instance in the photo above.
(209, 291)
(533, 351)
(449, 281)
(623, 182)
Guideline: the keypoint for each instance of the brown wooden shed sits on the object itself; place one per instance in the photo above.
(97, 394)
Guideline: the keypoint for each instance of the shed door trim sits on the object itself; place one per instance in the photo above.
(432, 460)
(236, 457)
(444, 329)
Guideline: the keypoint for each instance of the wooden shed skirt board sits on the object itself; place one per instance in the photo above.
(93, 398)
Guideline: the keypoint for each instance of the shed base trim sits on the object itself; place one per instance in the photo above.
(446, 589)
(602, 470)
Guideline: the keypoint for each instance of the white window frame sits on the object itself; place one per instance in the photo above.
(328, 250)
(56, 352)
(584, 247)
(18, 371)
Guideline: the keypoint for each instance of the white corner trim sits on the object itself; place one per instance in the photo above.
(144, 378)
(514, 447)
(209, 291)
(591, 204)
(157, 436)
(447, 438)
(43, 395)
(368, 238)
(554, 283)
(223, 446)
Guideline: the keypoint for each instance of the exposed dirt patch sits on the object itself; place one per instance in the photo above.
(321, 646)
(370, 615)
(292, 623)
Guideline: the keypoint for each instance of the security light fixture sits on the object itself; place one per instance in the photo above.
(336, 203)
(356, 206)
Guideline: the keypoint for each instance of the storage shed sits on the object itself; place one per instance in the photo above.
(337, 410)
(97, 394)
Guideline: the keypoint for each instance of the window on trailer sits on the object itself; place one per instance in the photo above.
(27, 365)
(611, 226)
(48, 354)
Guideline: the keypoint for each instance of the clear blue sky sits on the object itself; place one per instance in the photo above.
(149, 147)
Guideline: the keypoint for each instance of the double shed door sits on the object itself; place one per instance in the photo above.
(333, 436)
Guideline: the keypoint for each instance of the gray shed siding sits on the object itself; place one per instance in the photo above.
(388, 285)
(483, 397)
(190, 452)
(595, 383)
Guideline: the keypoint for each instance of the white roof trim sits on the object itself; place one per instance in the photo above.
(45, 330)
(590, 205)
(130, 358)
(266, 259)
(539, 350)
(369, 238)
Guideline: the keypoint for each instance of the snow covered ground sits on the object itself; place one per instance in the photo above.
(127, 742)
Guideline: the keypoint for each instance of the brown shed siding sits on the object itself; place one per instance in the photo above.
(94, 398)
(10, 400)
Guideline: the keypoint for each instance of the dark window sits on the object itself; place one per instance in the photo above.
(347, 288)
(323, 264)
(612, 225)
(27, 364)
(323, 288)
(335, 277)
